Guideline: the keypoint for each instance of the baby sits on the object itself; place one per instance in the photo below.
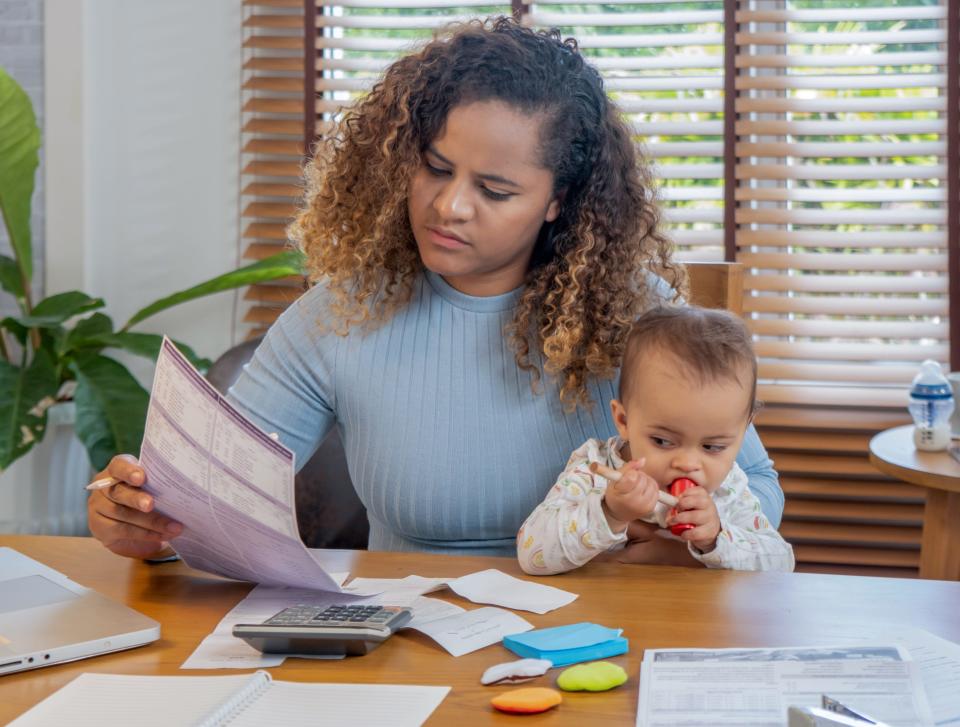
(687, 394)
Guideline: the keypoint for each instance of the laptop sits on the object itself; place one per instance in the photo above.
(45, 618)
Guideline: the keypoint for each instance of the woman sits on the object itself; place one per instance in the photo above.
(482, 234)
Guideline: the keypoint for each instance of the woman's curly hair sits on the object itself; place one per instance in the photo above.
(588, 277)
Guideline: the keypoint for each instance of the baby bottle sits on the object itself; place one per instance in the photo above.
(931, 404)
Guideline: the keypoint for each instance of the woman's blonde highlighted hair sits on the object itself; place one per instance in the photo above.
(588, 278)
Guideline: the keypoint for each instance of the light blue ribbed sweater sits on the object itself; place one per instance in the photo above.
(447, 446)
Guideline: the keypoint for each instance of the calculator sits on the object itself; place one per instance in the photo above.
(325, 630)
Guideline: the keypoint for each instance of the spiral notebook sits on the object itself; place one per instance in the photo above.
(248, 700)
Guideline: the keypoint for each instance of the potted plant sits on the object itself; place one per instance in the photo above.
(56, 349)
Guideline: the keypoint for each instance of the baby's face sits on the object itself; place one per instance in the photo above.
(681, 427)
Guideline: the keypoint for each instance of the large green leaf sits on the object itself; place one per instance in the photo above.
(19, 331)
(148, 346)
(54, 310)
(89, 332)
(10, 279)
(281, 265)
(19, 142)
(111, 408)
(28, 392)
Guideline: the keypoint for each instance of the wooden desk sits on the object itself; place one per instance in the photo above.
(657, 606)
(893, 453)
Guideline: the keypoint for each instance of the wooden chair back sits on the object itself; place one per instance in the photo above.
(716, 285)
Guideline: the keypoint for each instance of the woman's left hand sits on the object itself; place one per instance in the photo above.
(645, 547)
(657, 551)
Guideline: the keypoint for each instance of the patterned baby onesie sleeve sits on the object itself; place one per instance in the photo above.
(746, 541)
(569, 527)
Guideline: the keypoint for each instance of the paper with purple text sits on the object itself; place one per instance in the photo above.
(228, 482)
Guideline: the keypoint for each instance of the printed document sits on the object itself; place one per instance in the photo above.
(752, 687)
(228, 482)
(937, 659)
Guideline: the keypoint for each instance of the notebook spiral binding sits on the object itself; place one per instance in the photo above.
(250, 693)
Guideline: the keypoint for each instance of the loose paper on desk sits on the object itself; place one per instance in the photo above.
(462, 631)
(222, 650)
(227, 481)
(753, 687)
(496, 587)
(487, 586)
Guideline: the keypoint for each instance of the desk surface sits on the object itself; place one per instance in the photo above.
(657, 606)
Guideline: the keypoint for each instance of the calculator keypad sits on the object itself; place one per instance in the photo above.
(378, 617)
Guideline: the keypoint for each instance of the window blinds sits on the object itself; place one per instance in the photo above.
(841, 202)
(273, 144)
(839, 165)
(663, 62)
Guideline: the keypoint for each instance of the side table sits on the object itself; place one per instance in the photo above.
(893, 453)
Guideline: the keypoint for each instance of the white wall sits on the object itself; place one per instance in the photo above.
(143, 133)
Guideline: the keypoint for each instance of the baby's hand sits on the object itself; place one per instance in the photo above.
(631, 497)
(695, 506)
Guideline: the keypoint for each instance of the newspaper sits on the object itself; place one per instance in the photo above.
(228, 482)
(754, 687)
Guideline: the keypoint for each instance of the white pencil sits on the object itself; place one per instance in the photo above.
(611, 474)
(103, 483)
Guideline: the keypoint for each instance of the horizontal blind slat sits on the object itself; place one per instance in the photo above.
(842, 171)
(819, 127)
(831, 82)
(897, 216)
(841, 149)
(812, 350)
(850, 329)
(845, 305)
(579, 19)
(834, 194)
(852, 57)
(844, 262)
(275, 147)
(664, 83)
(841, 238)
(862, 283)
(881, 37)
(840, 105)
(685, 149)
(830, 418)
(388, 22)
(409, 4)
(848, 14)
(275, 127)
(864, 373)
(820, 394)
(677, 127)
(646, 63)
(265, 189)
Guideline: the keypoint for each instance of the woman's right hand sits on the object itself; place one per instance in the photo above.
(121, 516)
